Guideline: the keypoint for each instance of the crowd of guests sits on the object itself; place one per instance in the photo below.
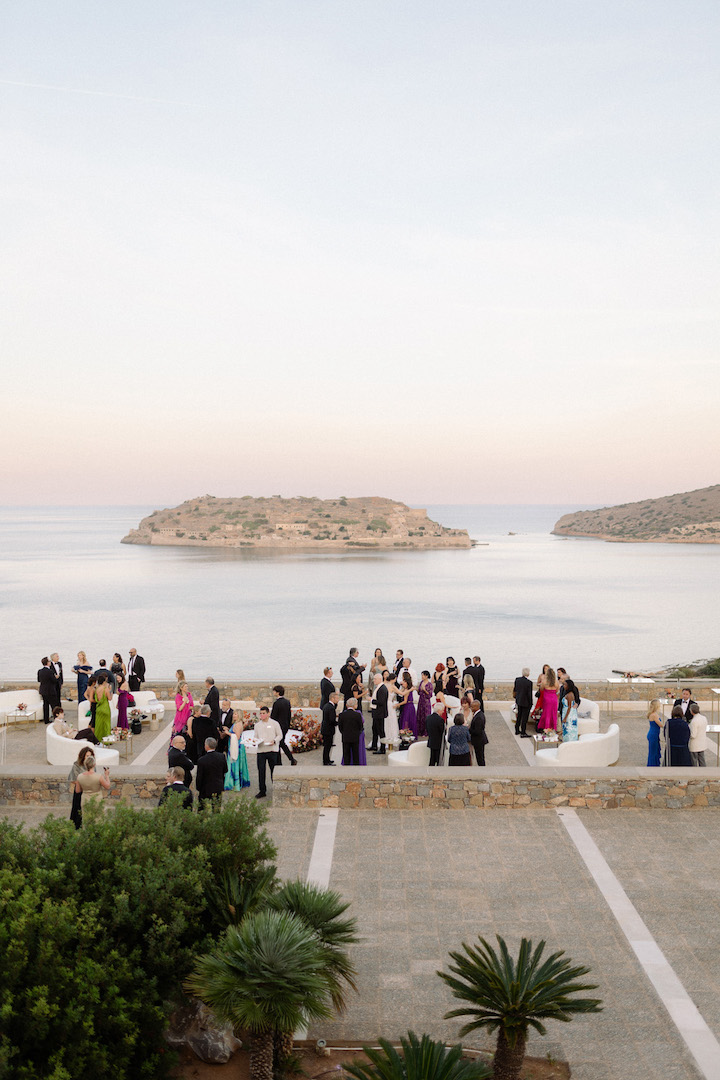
(684, 733)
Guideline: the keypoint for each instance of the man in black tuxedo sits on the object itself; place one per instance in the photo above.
(379, 711)
(178, 758)
(135, 670)
(176, 785)
(46, 686)
(57, 669)
(435, 734)
(397, 666)
(212, 699)
(349, 672)
(685, 701)
(103, 669)
(210, 776)
(328, 725)
(350, 726)
(479, 676)
(327, 686)
(523, 694)
(227, 714)
(281, 712)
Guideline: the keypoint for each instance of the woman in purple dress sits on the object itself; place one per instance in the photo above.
(424, 707)
(406, 695)
(122, 704)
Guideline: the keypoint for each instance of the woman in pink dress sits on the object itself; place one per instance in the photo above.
(183, 706)
(548, 701)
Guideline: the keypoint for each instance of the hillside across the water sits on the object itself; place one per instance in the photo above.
(692, 517)
(295, 523)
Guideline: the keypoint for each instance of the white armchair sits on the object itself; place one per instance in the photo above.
(417, 754)
(588, 717)
(593, 750)
(147, 702)
(62, 751)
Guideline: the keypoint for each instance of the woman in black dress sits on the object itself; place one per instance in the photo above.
(452, 677)
(677, 737)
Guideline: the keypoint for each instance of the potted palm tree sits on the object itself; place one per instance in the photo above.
(420, 1059)
(266, 975)
(511, 996)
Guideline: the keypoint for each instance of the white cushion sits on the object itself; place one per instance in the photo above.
(10, 699)
(588, 725)
(146, 701)
(417, 754)
(588, 709)
(62, 751)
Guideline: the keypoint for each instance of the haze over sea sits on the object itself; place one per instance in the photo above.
(68, 584)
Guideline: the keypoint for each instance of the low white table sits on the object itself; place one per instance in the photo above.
(548, 743)
(22, 716)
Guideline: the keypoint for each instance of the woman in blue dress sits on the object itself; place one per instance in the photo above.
(569, 717)
(237, 776)
(83, 670)
(653, 735)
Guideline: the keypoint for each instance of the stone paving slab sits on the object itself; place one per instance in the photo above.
(422, 883)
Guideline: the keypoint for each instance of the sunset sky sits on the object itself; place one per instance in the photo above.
(443, 252)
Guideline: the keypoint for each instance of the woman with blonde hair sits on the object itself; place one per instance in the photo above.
(91, 783)
(653, 736)
(180, 676)
(548, 701)
(83, 670)
(183, 706)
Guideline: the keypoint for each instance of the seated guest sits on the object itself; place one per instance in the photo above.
(88, 733)
(677, 737)
(458, 738)
(59, 725)
(178, 758)
(175, 785)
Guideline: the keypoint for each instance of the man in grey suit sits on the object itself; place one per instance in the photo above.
(523, 694)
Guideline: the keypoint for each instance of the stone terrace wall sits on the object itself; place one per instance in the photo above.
(23, 788)
(522, 789)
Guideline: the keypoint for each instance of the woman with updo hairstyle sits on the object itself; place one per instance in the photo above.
(77, 768)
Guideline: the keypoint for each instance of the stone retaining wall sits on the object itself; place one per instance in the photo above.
(48, 789)
(526, 789)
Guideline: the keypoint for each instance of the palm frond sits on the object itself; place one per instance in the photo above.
(419, 1059)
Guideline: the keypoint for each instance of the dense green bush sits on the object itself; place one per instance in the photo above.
(99, 928)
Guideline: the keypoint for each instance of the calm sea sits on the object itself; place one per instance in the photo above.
(68, 584)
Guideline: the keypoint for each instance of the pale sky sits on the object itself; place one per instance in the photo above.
(442, 252)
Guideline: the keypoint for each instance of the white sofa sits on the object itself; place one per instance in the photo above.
(588, 717)
(595, 749)
(61, 751)
(10, 699)
(147, 702)
(417, 754)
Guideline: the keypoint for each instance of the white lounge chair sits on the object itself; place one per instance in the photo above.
(588, 717)
(417, 754)
(146, 701)
(593, 750)
(62, 751)
(10, 699)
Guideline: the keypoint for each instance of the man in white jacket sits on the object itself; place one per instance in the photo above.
(698, 735)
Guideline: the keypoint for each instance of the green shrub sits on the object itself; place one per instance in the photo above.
(98, 929)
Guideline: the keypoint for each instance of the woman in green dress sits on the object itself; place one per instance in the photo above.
(103, 697)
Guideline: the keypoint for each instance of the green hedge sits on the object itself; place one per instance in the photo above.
(98, 929)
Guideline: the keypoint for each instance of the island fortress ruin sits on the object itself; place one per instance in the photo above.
(298, 522)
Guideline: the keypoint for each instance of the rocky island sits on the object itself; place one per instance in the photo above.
(300, 522)
(692, 517)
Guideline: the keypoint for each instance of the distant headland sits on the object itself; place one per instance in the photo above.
(692, 517)
(299, 522)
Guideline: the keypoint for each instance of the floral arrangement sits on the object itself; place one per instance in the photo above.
(22, 707)
(310, 738)
(407, 734)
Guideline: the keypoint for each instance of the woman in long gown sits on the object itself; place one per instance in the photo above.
(653, 735)
(569, 717)
(183, 707)
(406, 696)
(122, 704)
(424, 705)
(82, 669)
(237, 776)
(548, 702)
(392, 727)
(103, 697)
(451, 678)
(378, 664)
(677, 737)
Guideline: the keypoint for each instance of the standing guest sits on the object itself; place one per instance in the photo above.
(478, 734)
(237, 776)
(677, 737)
(684, 702)
(90, 697)
(192, 720)
(135, 670)
(122, 705)
(327, 687)
(523, 694)
(569, 717)
(349, 672)
(407, 666)
(465, 710)
(179, 679)
(183, 707)
(281, 712)
(268, 734)
(57, 669)
(653, 735)
(398, 664)
(178, 757)
(547, 704)
(424, 703)
(539, 687)
(451, 677)
(459, 742)
(103, 696)
(91, 783)
(350, 725)
(565, 684)
(210, 776)
(103, 669)
(78, 767)
(227, 714)
(435, 733)
(46, 685)
(212, 699)
(468, 675)
(83, 670)
(698, 735)
(406, 697)
(378, 711)
(328, 725)
(479, 673)
(439, 682)
(378, 664)
(202, 728)
(118, 668)
(176, 785)
(392, 727)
